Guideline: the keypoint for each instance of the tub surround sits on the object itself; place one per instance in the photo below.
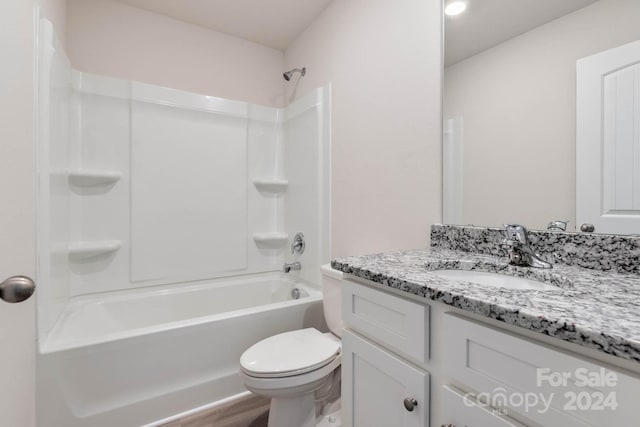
(598, 308)
(112, 290)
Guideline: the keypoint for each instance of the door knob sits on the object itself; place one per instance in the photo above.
(587, 228)
(17, 289)
(410, 403)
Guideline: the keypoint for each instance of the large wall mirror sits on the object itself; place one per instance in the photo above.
(509, 110)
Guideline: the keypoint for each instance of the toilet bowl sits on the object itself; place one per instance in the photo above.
(300, 370)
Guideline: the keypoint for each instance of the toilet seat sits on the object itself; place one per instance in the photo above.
(290, 354)
(289, 386)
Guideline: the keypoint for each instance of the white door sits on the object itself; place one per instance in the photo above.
(17, 321)
(375, 385)
(608, 140)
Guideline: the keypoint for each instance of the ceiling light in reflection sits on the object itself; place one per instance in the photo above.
(455, 8)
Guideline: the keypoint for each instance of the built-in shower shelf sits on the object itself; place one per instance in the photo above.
(271, 238)
(88, 178)
(83, 250)
(271, 185)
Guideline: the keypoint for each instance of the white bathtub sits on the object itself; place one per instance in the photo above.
(135, 357)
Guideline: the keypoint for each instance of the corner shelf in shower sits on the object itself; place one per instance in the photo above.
(89, 178)
(271, 238)
(83, 250)
(271, 185)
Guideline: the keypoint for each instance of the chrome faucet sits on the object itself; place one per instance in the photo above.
(519, 250)
(558, 225)
(287, 267)
(298, 244)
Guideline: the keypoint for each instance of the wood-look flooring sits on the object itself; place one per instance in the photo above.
(252, 411)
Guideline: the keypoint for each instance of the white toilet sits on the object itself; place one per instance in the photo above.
(300, 370)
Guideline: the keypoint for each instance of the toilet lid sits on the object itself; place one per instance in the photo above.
(289, 353)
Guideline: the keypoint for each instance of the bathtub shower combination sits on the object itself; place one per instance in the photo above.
(164, 220)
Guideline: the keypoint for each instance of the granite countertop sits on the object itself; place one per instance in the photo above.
(591, 308)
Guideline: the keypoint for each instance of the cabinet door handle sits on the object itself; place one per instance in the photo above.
(410, 403)
(447, 425)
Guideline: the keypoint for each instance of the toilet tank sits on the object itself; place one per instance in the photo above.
(332, 298)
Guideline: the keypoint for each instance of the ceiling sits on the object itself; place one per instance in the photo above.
(274, 23)
(487, 23)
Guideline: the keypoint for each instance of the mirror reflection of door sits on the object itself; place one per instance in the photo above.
(510, 73)
(608, 140)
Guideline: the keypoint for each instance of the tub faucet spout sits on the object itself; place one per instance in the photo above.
(287, 267)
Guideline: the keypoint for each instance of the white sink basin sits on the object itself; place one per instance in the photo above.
(494, 279)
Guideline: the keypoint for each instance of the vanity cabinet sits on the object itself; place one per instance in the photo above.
(453, 370)
(380, 386)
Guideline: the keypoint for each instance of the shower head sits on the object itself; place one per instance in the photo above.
(288, 74)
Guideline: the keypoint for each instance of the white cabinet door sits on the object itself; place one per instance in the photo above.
(608, 140)
(17, 321)
(461, 410)
(375, 385)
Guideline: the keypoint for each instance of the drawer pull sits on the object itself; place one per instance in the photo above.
(410, 403)
(447, 425)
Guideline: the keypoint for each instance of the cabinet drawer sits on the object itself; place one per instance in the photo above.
(461, 410)
(546, 385)
(396, 323)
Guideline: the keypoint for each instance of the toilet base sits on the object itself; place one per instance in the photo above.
(296, 411)
(333, 419)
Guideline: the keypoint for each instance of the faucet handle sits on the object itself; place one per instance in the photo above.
(298, 244)
(558, 225)
(507, 243)
(516, 233)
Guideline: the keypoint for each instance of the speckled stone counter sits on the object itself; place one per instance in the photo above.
(591, 308)
(596, 251)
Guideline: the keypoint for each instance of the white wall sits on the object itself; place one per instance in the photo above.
(518, 105)
(383, 61)
(110, 38)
